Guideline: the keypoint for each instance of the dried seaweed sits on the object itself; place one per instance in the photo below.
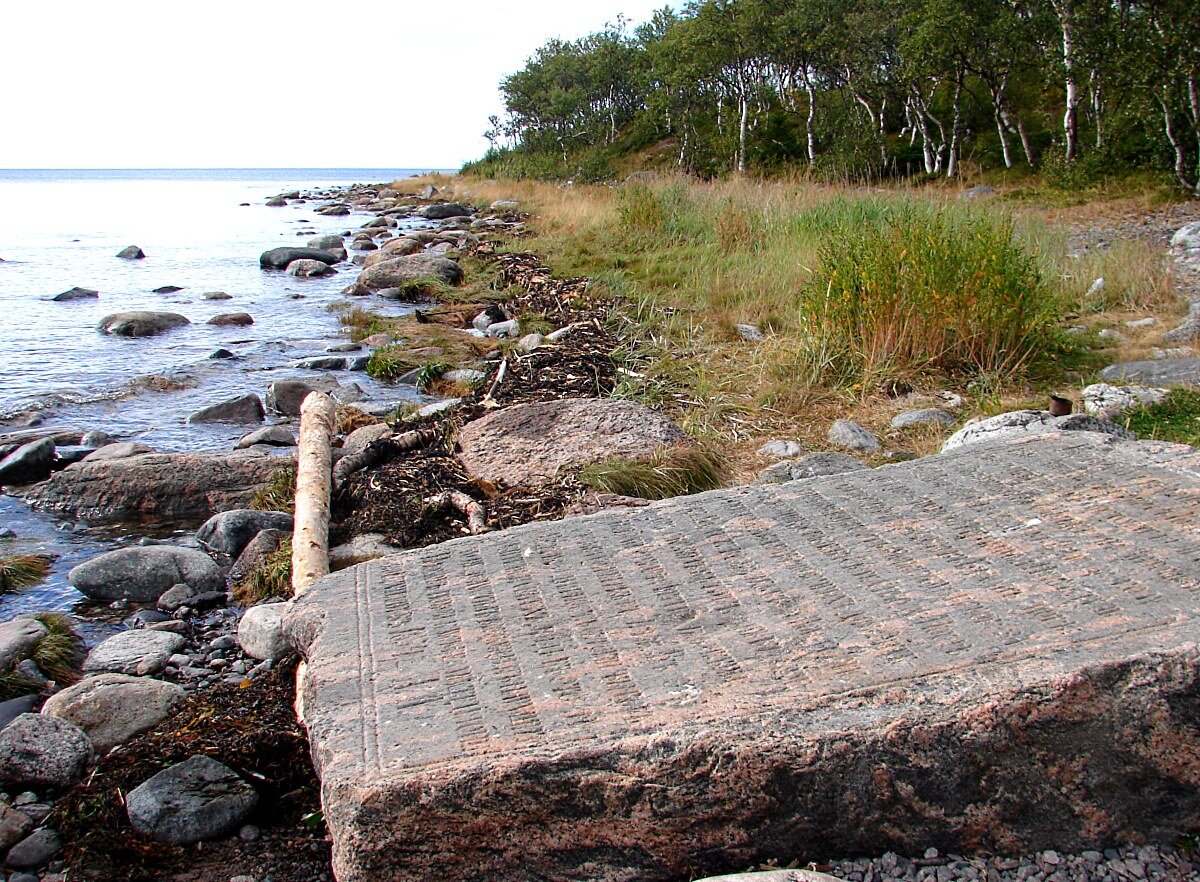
(253, 730)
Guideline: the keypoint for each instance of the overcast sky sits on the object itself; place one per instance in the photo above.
(268, 83)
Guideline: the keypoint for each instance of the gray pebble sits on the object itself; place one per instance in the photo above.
(36, 811)
(34, 850)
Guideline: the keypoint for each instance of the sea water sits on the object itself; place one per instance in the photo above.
(202, 231)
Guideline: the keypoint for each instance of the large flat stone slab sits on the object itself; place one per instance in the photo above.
(990, 649)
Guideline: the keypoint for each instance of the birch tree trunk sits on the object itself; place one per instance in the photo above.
(310, 538)
(1098, 107)
(812, 111)
(741, 162)
(1025, 145)
(1001, 126)
(1181, 163)
(1071, 115)
(955, 126)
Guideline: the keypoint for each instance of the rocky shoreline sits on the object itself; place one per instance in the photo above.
(193, 674)
(184, 640)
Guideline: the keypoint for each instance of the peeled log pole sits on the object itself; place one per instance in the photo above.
(310, 539)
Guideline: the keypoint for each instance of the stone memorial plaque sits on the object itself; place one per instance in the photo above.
(993, 647)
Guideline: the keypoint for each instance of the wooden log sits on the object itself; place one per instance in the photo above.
(310, 539)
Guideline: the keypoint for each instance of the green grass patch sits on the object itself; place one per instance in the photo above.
(22, 571)
(362, 323)
(429, 373)
(926, 288)
(857, 286)
(272, 579)
(60, 652)
(58, 656)
(14, 684)
(391, 362)
(534, 323)
(675, 471)
(424, 288)
(1176, 418)
(279, 493)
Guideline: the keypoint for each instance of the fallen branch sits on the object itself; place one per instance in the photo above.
(310, 538)
(469, 508)
(374, 452)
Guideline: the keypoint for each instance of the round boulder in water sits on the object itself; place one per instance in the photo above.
(131, 253)
(279, 258)
(233, 319)
(231, 531)
(243, 409)
(324, 243)
(143, 574)
(140, 323)
(443, 211)
(76, 293)
(28, 463)
(413, 269)
(309, 269)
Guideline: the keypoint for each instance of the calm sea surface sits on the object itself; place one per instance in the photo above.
(61, 229)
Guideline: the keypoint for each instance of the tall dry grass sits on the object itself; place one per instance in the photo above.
(850, 286)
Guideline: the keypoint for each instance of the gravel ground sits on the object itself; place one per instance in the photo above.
(1111, 865)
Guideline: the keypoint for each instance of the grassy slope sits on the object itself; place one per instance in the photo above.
(689, 260)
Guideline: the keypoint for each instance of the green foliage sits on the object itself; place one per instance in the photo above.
(924, 287)
(860, 89)
(58, 656)
(279, 493)
(1176, 418)
(428, 373)
(23, 571)
(390, 362)
(1085, 173)
(272, 579)
(649, 215)
(848, 288)
(60, 652)
(361, 322)
(675, 471)
(534, 323)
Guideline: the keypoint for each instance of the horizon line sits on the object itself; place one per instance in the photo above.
(229, 168)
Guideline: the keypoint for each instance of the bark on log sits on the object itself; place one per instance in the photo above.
(310, 541)
(469, 508)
